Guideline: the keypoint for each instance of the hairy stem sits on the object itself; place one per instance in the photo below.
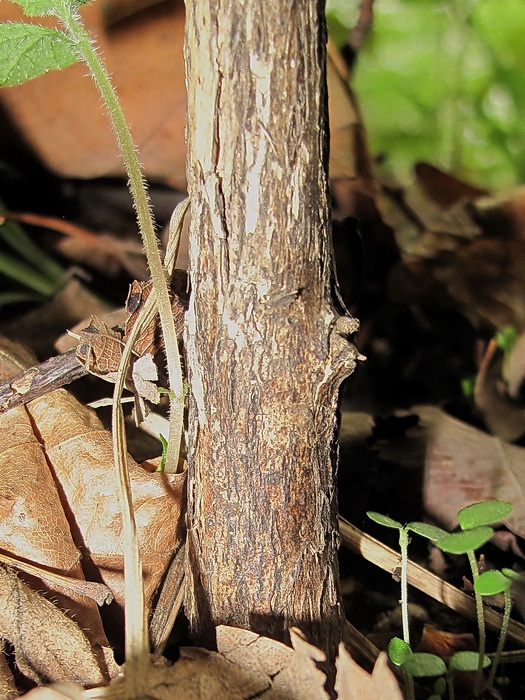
(89, 54)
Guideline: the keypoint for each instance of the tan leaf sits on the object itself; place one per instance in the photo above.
(33, 524)
(465, 465)
(81, 453)
(57, 691)
(354, 683)
(48, 645)
(7, 682)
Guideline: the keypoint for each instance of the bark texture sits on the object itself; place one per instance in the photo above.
(266, 349)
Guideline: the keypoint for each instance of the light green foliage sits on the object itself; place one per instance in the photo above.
(465, 541)
(33, 8)
(422, 664)
(384, 520)
(442, 81)
(28, 50)
(483, 513)
(399, 652)
(491, 583)
(506, 338)
(466, 661)
(431, 532)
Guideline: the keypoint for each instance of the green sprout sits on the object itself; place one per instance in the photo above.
(475, 532)
(399, 648)
(492, 583)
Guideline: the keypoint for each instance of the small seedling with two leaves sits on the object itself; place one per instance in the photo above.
(474, 522)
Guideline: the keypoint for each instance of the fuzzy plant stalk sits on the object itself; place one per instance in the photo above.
(481, 622)
(502, 636)
(76, 31)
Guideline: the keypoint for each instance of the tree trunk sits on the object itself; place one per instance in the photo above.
(266, 350)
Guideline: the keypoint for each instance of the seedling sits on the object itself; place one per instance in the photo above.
(474, 520)
(399, 650)
(492, 583)
(414, 665)
(463, 661)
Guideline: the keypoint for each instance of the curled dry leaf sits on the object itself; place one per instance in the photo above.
(48, 645)
(33, 524)
(81, 453)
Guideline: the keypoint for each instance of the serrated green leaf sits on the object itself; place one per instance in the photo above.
(39, 8)
(28, 50)
(384, 520)
(399, 652)
(483, 513)
(34, 8)
(431, 532)
(466, 661)
(422, 664)
(491, 583)
(465, 541)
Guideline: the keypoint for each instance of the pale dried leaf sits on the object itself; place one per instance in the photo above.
(251, 651)
(7, 682)
(502, 416)
(291, 672)
(48, 645)
(33, 524)
(301, 679)
(81, 453)
(57, 691)
(354, 683)
(465, 465)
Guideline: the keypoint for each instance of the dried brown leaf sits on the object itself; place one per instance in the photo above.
(33, 524)
(7, 682)
(81, 453)
(465, 465)
(48, 645)
(57, 691)
(354, 683)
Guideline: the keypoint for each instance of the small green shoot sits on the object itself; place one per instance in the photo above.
(468, 385)
(463, 661)
(492, 583)
(474, 520)
(506, 338)
(164, 444)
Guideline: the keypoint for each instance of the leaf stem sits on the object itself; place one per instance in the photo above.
(90, 55)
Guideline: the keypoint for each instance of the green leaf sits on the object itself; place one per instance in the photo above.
(506, 338)
(164, 444)
(423, 664)
(28, 50)
(440, 687)
(384, 520)
(466, 541)
(34, 8)
(431, 532)
(513, 575)
(483, 513)
(491, 583)
(466, 661)
(399, 652)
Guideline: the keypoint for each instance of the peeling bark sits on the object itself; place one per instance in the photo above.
(266, 349)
